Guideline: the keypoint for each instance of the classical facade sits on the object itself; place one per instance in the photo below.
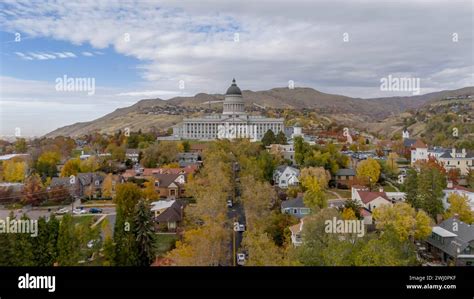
(234, 122)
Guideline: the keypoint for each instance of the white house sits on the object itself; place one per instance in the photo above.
(469, 194)
(285, 176)
(461, 160)
(419, 151)
(368, 199)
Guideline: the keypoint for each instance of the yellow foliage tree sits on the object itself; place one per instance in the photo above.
(71, 167)
(348, 214)
(204, 246)
(149, 193)
(404, 220)
(369, 171)
(459, 205)
(107, 186)
(14, 171)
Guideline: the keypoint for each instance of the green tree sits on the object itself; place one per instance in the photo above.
(68, 242)
(45, 244)
(20, 145)
(126, 198)
(145, 234)
(268, 138)
(281, 138)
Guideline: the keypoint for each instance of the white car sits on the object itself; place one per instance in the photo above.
(229, 203)
(78, 211)
(239, 227)
(62, 211)
(241, 259)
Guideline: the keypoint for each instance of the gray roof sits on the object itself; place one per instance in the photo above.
(447, 155)
(464, 235)
(408, 142)
(172, 214)
(346, 171)
(233, 89)
(56, 182)
(293, 203)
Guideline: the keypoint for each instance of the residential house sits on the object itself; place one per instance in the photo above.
(285, 151)
(148, 172)
(90, 184)
(345, 177)
(187, 159)
(168, 213)
(369, 199)
(295, 207)
(285, 176)
(452, 241)
(170, 185)
(463, 160)
(419, 152)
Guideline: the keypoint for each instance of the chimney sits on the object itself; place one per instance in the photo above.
(381, 189)
(450, 184)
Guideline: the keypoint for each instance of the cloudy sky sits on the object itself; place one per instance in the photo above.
(146, 49)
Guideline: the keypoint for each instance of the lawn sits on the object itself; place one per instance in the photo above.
(164, 243)
(84, 220)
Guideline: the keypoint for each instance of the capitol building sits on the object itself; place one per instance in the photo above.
(234, 122)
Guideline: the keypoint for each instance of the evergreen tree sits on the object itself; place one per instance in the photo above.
(145, 234)
(268, 138)
(127, 196)
(68, 242)
(281, 138)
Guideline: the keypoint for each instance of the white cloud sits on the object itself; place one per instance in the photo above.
(89, 54)
(278, 41)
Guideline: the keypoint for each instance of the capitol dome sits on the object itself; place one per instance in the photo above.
(233, 102)
(233, 89)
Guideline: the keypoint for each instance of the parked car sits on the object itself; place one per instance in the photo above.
(95, 210)
(62, 211)
(241, 259)
(229, 203)
(78, 211)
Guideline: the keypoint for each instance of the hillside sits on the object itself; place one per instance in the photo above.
(161, 114)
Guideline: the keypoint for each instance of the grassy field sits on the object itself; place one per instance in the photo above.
(165, 243)
(84, 220)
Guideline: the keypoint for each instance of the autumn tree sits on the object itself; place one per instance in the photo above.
(262, 251)
(71, 167)
(459, 205)
(368, 171)
(108, 186)
(33, 193)
(14, 171)
(46, 164)
(314, 197)
(149, 193)
(405, 222)
(207, 245)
